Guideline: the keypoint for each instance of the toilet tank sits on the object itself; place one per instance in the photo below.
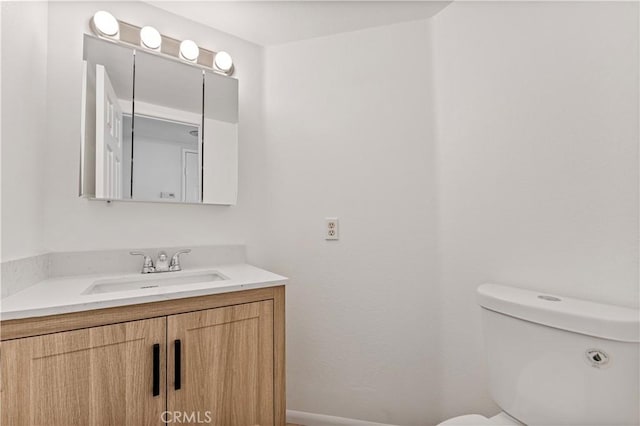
(556, 360)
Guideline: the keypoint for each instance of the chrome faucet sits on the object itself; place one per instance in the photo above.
(147, 266)
(175, 260)
(162, 263)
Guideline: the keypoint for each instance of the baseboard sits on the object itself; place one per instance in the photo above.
(312, 419)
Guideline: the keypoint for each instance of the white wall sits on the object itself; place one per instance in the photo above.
(350, 136)
(24, 55)
(158, 168)
(537, 155)
(535, 174)
(72, 223)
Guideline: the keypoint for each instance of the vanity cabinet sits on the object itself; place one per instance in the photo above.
(99, 375)
(221, 362)
(216, 359)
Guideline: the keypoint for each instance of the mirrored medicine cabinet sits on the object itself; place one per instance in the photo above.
(155, 129)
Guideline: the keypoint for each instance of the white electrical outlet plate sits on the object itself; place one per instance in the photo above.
(331, 228)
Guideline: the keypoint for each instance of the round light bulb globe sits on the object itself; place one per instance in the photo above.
(150, 37)
(106, 23)
(223, 61)
(189, 50)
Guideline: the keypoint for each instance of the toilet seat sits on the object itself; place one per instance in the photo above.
(502, 419)
(467, 420)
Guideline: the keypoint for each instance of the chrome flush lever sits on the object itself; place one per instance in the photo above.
(175, 260)
(147, 266)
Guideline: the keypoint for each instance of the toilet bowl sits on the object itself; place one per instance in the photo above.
(556, 360)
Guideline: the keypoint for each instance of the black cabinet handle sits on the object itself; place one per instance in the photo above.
(178, 365)
(156, 369)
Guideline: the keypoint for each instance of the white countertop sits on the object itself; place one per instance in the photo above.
(65, 294)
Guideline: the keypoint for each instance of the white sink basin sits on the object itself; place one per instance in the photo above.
(151, 281)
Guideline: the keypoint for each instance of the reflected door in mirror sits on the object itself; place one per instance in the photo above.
(107, 96)
(108, 138)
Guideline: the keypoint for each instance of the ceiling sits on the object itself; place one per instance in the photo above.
(269, 23)
(168, 131)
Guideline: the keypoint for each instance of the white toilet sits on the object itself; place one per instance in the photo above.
(558, 361)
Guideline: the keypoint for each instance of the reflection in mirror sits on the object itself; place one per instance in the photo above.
(155, 129)
(174, 146)
(108, 91)
(220, 139)
(167, 121)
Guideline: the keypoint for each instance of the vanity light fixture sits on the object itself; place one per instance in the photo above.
(223, 62)
(189, 50)
(150, 38)
(105, 24)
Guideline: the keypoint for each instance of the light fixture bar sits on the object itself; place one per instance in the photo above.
(129, 34)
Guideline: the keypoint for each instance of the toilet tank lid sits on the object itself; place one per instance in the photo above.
(580, 316)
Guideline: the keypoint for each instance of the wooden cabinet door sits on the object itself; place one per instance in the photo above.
(95, 376)
(225, 365)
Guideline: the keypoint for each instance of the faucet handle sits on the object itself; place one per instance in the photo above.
(175, 260)
(147, 266)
